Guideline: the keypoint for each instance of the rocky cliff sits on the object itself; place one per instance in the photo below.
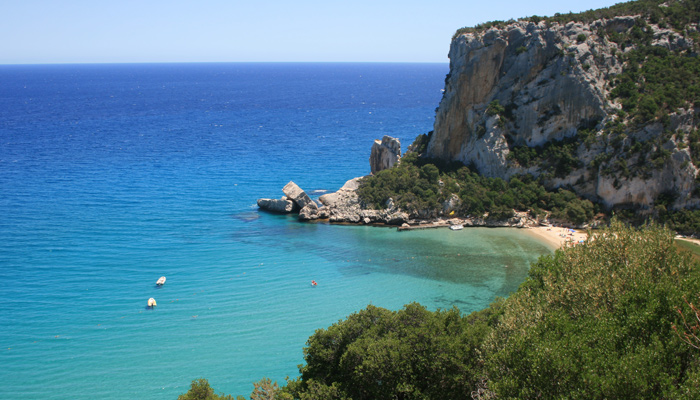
(385, 154)
(518, 93)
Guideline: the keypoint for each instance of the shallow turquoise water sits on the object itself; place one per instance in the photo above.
(111, 176)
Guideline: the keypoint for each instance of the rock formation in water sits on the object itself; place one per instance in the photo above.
(384, 154)
(282, 205)
(295, 199)
(517, 89)
(298, 196)
(343, 205)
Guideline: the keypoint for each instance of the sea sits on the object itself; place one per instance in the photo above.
(113, 175)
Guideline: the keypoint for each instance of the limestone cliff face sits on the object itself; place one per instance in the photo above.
(384, 154)
(551, 82)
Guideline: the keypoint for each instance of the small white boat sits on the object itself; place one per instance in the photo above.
(161, 281)
(152, 302)
(456, 227)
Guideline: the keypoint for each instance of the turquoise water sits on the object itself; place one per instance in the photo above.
(111, 176)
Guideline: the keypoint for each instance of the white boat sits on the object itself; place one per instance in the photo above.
(161, 281)
(152, 302)
(456, 227)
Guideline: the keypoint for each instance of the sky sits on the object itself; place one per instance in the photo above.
(139, 31)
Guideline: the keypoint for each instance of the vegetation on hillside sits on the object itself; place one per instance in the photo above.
(609, 319)
(200, 389)
(655, 81)
(673, 13)
(420, 187)
(593, 314)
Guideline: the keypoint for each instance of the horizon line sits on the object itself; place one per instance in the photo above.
(222, 62)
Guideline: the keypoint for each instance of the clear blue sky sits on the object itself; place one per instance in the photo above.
(98, 31)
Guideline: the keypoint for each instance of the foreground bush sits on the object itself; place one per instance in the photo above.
(596, 321)
(201, 390)
(380, 354)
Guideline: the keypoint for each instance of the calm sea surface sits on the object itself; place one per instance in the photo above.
(113, 175)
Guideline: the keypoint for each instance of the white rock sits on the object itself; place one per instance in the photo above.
(384, 154)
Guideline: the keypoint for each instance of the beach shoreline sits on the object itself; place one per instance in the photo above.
(556, 237)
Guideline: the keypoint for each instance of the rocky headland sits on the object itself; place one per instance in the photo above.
(344, 205)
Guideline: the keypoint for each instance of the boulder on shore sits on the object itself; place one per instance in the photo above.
(341, 196)
(396, 218)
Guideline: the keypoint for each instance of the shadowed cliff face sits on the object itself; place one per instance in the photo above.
(529, 84)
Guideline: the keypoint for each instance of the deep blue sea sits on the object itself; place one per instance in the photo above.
(114, 175)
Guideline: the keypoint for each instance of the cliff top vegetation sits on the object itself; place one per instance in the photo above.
(674, 13)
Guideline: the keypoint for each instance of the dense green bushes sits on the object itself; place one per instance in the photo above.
(675, 13)
(419, 187)
(557, 157)
(596, 321)
(380, 354)
(201, 390)
(412, 187)
(683, 221)
(656, 82)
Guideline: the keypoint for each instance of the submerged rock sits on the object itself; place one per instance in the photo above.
(298, 196)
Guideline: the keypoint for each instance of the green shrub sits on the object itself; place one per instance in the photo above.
(557, 157)
(412, 353)
(495, 108)
(200, 390)
(591, 315)
(420, 144)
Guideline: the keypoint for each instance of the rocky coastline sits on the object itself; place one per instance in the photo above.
(345, 207)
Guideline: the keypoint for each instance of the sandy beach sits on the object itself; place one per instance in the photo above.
(687, 239)
(557, 237)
